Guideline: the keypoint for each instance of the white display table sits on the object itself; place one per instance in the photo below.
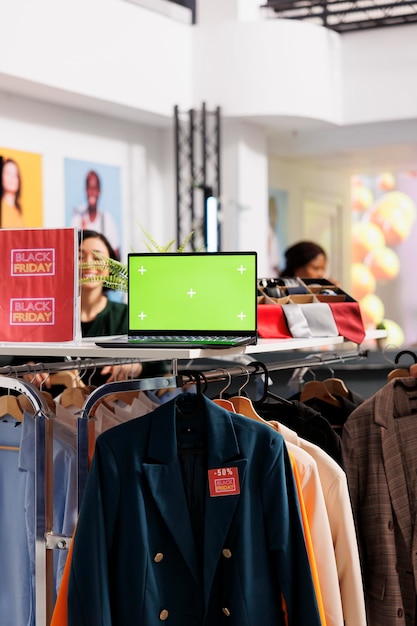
(87, 348)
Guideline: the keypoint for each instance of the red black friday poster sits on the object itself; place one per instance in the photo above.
(38, 284)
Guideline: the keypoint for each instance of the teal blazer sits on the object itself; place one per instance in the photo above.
(137, 559)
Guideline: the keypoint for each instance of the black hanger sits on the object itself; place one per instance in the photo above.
(266, 392)
(189, 406)
(402, 352)
(401, 372)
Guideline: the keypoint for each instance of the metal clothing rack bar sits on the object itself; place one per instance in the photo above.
(316, 361)
(89, 363)
(60, 366)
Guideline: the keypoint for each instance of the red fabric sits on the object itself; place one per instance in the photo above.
(272, 323)
(347, 316)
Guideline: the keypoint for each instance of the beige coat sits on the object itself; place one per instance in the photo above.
(340, 517)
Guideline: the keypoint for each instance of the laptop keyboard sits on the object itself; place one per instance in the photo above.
(187, 339)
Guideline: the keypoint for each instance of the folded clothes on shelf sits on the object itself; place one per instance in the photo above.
(316, 309)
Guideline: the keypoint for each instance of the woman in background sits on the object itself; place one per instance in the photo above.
(11, 210)
(305, 259)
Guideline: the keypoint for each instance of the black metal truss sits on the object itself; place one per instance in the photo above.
(344, 15)
(197, 146)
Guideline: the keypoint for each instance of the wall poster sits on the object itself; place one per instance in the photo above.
(20, 189)
(93, 199)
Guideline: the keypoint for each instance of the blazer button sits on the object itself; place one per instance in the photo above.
(226, 611)
(158, 557)
(226, 553)
(163, 615)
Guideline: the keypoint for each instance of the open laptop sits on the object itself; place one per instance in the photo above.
(187, 300)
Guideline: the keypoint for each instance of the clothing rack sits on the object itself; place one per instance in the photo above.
(43, 489)
(46, 540)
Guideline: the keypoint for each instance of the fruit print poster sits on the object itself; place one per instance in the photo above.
(384, 252)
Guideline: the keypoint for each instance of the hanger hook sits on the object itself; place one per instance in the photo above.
(229, 381)
(195, 377)
(245, 382)
(408, 352)
(203, 378)
(43, 381)
(94, 368)
(323, 364)
(258, 365)
(312, 372)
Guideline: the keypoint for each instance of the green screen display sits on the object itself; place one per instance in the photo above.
(207, 292)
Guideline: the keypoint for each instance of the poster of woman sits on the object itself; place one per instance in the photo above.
(21, 189)
(93, 199)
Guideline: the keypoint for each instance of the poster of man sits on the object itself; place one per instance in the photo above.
(93, 199)
(20, 189)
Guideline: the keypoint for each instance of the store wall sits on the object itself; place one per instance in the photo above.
(378, 69)
(143, 153)
(105, 55)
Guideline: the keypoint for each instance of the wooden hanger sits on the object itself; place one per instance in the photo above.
(68, 378)
(398, 372)
(9, 405)
(26, 404)
(220, 401)
(73, 396)
(403, 372)
(124, 396)
(243, 404)
(317, 390)
(337, 387)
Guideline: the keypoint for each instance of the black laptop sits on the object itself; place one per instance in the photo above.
(186, 300)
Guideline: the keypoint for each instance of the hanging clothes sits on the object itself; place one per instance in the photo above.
(308, 424)
(340, 517)
(135, 557)
(379, 444)
(17, 514)
(335, 415)
(316, 525)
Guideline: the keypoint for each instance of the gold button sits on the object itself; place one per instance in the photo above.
(226, 611)
(158, 557)
(163, 615)
(226, 553)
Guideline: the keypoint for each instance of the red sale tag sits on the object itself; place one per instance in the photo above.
(224, 481)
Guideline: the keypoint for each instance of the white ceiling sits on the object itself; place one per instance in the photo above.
(376, 146)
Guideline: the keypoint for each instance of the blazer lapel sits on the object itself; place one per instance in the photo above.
(393, 462)
(166, 484)
(219, 510)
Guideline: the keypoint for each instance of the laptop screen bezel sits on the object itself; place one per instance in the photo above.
(191, 333)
